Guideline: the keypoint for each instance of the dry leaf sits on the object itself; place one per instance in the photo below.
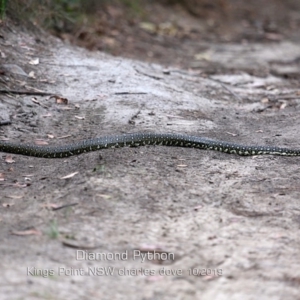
(283, 105)
(230, 133)
(2, 178)
(19, 185)
(33, 89)
(265, 100)
(167, 28)
(7, 205)
(104, 196)
(14, 196)
(147, 26)
(41, 142)
(205, 55)
(64, 136)
(34, 100)
(54, 206)
(47, 115)
(27, 232)
(31, 74)
(60, 100)
(2, 54)
(46, 80)
(34, 62)
(69, 176)
(50, 205)
(9, 159)
(79, 118)
(196, 208)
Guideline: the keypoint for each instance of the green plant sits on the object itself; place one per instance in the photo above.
(53, 230)
(3, 4)
(135, 6)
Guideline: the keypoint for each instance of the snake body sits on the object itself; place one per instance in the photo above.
(142, 139)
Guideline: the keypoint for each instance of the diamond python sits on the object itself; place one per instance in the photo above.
(141, 139)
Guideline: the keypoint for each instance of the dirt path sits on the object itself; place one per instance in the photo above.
(220, 226)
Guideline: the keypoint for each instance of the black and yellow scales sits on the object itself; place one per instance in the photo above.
(142, 139)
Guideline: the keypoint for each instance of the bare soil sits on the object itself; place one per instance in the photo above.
(151, 222)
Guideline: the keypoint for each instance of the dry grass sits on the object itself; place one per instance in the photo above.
(60, 15)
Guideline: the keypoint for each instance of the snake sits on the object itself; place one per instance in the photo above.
(141, 139)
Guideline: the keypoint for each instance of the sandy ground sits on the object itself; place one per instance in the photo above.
(150, 222)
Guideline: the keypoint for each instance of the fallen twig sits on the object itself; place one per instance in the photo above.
(25, 93)
(64, 206)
